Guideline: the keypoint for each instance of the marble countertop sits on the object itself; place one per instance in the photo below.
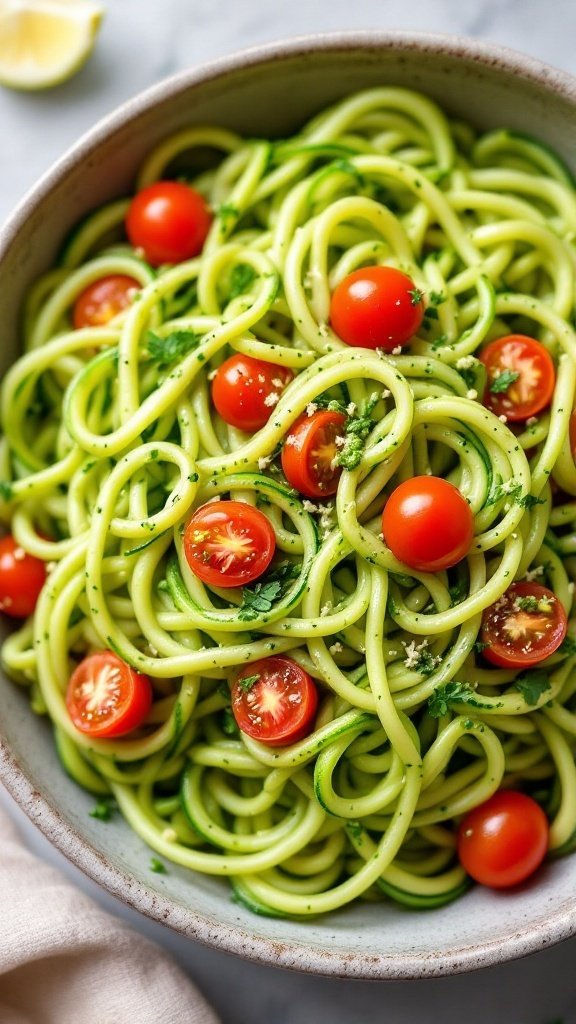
(160, 37)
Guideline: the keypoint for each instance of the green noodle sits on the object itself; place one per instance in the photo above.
(107, 451)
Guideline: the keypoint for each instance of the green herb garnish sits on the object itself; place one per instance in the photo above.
(440, 702)
(241, 278)
(104, 809)
(500, 384)
(532, 685)
(157, 866)
(356, 430)
(171, 348)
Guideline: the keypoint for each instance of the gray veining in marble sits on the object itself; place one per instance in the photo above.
(142, 41)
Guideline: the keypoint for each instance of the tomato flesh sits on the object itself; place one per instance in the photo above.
(428, 524)
(228, 543)
(169, 221)
(527, 624)
(310, 451)
(274, 701)
(504, 840)
(376, 307)
(104, 299)
(530, 370)
(22, 577)
(106, 697)
(245, 391)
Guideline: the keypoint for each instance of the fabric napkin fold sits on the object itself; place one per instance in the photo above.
(64, 960)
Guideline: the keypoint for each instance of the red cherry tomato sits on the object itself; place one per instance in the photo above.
(228, 543)
(527, 624)
(22, 577)
(528, 367)
(274, 701)
(169, 221)
(106, 697)
(376, 307)
(245, 391)
(504, 840)
(428, 524)
(309, 453)
(103, 299)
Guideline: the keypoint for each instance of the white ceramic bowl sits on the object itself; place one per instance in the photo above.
(271, 91)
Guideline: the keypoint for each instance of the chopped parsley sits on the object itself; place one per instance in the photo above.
(533, 604)
(440, 702)
(241, 278)
(532, 685)
(104, 808)
(157, 866)
(171, 348)
(258, 600)
(356, 430)
(500, 384)
(248, 682)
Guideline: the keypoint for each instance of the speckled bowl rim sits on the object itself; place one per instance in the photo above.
(41, 811)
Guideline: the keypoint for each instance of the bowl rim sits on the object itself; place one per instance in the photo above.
(41, 811)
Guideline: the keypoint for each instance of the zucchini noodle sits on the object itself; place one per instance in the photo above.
(107, 450)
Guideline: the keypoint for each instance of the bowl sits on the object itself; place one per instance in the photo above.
(270, 91)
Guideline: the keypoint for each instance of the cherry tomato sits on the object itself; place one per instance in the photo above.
(309, 453)
(504, 840)
(526, 374)
(106, 697)
(22, 577)
(428, 524)
(103, 299)
(274, 701)
(245, 391)
(376, 307)
(527, 624)
(169, 221)
(228, 543)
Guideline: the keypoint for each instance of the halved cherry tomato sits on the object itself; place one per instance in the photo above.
(245, 390)
(527, 624)
(428, 524)
(274, 701)
(228, 543)
(22, 577)
(104, 299)
(528, 367)
(309, 453)
(376, 307)
(106, 697)
(169, 221)
(504, 840)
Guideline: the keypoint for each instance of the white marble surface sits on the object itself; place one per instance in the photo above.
(142, 41)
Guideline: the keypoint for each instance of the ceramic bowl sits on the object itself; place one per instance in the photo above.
(270, 91)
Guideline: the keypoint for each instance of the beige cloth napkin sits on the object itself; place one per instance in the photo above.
(63, 960)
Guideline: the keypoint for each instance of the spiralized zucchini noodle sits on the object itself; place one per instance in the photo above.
(109, 447)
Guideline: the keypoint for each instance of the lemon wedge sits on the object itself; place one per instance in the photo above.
(44, 42)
